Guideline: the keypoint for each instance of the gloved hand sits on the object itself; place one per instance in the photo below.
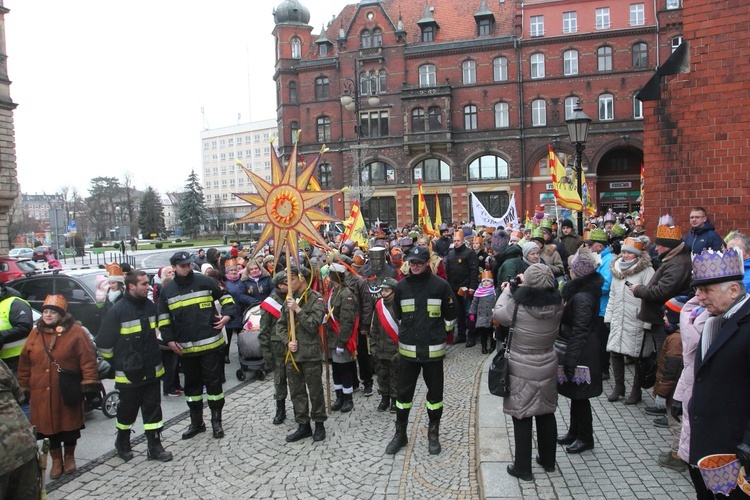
(91, 388)
(743, 454)
(472, 317)
(660, 402)
(676, 410)
(339, 351)
(569, 371)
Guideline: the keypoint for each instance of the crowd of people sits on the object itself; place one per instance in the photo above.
(580, 308)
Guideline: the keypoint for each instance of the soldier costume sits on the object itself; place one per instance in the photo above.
(342, 327)
(273, 347)
(384, 346)
(305, 374)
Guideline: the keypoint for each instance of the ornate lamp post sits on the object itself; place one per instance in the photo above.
(578, 130)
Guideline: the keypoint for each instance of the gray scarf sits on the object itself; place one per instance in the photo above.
(714, 324)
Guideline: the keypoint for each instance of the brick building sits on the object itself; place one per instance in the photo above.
(696, 127)
(466, 96)
(8, 179)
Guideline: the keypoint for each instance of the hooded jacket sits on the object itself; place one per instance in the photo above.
(704, 237)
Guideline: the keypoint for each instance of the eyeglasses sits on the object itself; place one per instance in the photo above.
(415, 263)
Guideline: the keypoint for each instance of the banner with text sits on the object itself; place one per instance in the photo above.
(483, 218)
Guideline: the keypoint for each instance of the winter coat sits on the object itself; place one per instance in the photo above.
(626, 330)
(307, 322)
(482, 307)
(533, 362)
(669, 366)
(510, 269)
(670, 280)
(571, 243)
(720, 406)
(692, 319)
(270, 343)
(18, 325)
(73, 350)
(462, 268)
(604, 269)
(510, 252)
(579, 331)
(343, 307)
(258, 289)
(19, 440)
(704, 237)
(381, 344)
(358, 285)
(552, 258)
(243, 301)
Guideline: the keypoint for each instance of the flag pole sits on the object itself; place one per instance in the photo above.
(289, 292)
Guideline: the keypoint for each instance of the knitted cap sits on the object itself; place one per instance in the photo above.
(567, 223)
(528, 247)
(539, 276)
(582, 263)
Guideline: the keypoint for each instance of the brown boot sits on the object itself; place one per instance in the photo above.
(70, 459)
(635, 391)
(57, 463)
(618, 371)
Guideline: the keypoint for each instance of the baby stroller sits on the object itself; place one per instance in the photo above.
(107, 401)
(248, 343)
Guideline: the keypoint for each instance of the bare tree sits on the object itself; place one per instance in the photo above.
(19, 222)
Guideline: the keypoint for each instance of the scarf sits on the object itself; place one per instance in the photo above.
(236, 277)
(484, 291)
(624, 266)
(714, 324)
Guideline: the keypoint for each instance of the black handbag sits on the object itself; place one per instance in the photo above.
(646, 367)
(69, 381)
(499, 374)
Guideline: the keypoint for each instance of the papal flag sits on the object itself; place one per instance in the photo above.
(355, 227)
(565, 191)
(424, 216)
(438, 217)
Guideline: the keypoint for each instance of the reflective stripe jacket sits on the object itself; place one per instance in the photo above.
(131, 324)
(187, 313)
(426, 309)
(16, 323)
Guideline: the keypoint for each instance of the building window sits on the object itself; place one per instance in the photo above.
(371, 83)
(637, 108)
(570, 22)
(433, 122)
(604, 58)
(378, 172)
(323, 49)
(205, 145)
(637, 14)
(321, 88)
(428, 34)
(418, 123)
(538, 113)
(606, 107)
(231, 182)
(213, 144)
(240, 181)
(537, 65)
(570, 62)
(294, 128)
(484, 27)
(470, 117)
(674, 4)
(214, 158)
(247, 139)
(377, 37)
(501, 115)
(570, 105)
(324, 129)
(676, 42)
(293, 92)
(296, 48)
(432, 170)
(500, 69)
(640, 56)
(222, 143)
(216, 184)
(208, 171)
(469, 72)
(223, 157)
(381, 208)
(325, 176)
(365, 40)
(216, 170)
(374, 123)
(537, 26)
(429, 198)
(231, 156)
(434, 118)
(495, 203)
(239, 154)
(230, 142)
(427, 75)
(488, 167)
(602, 18)
(382, 80)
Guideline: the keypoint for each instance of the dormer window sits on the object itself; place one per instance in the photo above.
(485, 20)
(484, 27)
(323, 49)
(428, 34)
(428, 25)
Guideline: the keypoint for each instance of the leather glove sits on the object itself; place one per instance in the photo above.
(743, 454)
(676, 410)
(472, 318)
(339, 351)
(660, 402)
(569, 371)
(91, 388)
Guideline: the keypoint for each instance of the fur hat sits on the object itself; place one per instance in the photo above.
(539, 276)
(582, 263)
(55, 303)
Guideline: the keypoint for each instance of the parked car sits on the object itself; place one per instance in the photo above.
(77, 286)
(21, 253)
(11, 269)
(43, 253)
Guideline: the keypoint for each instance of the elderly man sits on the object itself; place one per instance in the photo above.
(720, 407)
(741, 241)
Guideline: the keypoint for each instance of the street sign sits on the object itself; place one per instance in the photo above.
(72, 228)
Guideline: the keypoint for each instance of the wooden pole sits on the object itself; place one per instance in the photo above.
(289, 292)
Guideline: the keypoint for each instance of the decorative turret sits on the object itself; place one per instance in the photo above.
(291, 12)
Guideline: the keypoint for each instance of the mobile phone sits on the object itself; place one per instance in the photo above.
(627, 283)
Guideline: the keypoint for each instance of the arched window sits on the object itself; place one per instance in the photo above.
(365, 40)
(470, 117)
(378, 172)
(377, 37)
(382, 81)
(293, 92)
(323, 125)
(488, 167)
(604, 58)
(537, 65)
(417, 120)
(294, 128)
(432, 170)
(296, 48)
(321, 88)
(502, 116)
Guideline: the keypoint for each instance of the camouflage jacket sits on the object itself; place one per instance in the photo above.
(17, 438)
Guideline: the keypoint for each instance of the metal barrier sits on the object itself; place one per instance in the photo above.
(98, 258)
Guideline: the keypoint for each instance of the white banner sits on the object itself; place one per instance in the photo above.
(483, 218)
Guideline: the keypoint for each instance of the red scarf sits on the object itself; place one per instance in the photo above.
(386, 320)
(273, 307)
(351, 345)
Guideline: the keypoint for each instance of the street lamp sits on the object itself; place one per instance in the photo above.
(578, 130)
(351, 101)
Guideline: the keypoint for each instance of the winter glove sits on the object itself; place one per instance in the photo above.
(676, 410)
(569, 371)
(743, 454)
(91, 388)
(339, 351)
(472, 317)
(660, 403)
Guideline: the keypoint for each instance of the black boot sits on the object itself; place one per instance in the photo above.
(122, 444)
(155, 450)
(393, 408)
(303, 431)
(433, 433)
(348, 404)
(320, 432)
(196, 424)
(385, 402)
(399, 439)
(493, 344)
(280, 412)
(216, 423)
(336, 406)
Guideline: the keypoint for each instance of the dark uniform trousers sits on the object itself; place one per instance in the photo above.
(307, 381)
(387, 370)
(278, 353)
(364, 360)
(205, 369)
(145, 398)
(408, 373)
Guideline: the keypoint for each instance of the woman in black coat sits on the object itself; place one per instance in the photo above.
(578, 349)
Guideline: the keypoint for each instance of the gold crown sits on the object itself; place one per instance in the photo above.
(633, 243)
(716, 267)
(113, 269)
(669, 232)
(486, 275)
(56, 303)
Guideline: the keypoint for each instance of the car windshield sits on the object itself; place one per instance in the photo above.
(89, 281)
(26, 265)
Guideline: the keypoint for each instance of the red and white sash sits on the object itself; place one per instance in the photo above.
(331, 321)
(273, 307)
(389, 324)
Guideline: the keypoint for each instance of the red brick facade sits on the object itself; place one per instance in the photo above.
(614, 149)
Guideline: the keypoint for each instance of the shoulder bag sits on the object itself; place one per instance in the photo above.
(646, 366)
(499, 376)
(69, 381)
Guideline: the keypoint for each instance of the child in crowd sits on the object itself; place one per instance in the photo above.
(480, 311)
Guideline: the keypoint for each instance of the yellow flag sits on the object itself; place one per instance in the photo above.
(565, 192)
(424, 216)
(438, 217)
(356, 231)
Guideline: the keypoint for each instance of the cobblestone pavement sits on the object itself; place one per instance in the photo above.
(254, 461)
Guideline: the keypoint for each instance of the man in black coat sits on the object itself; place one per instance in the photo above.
(720, 406)
(462, 270)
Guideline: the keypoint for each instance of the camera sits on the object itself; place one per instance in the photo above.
(513, 283)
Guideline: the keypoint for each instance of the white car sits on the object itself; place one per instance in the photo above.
(21, 253)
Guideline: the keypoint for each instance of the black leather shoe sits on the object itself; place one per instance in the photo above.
(320, 432)
(653, 410)
(547, 468)
(661, 422)
(302, 432)
(471, 343)
(566, 438)
(460, 340)
(526, 476)
(579, 446)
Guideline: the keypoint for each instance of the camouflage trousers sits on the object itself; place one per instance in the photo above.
(387, 371)
(278, 353)
(23, 482)
(308, 381)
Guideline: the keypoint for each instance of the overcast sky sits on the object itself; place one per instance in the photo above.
(108, 87)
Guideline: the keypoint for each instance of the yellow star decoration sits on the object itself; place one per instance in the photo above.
(285, 205)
